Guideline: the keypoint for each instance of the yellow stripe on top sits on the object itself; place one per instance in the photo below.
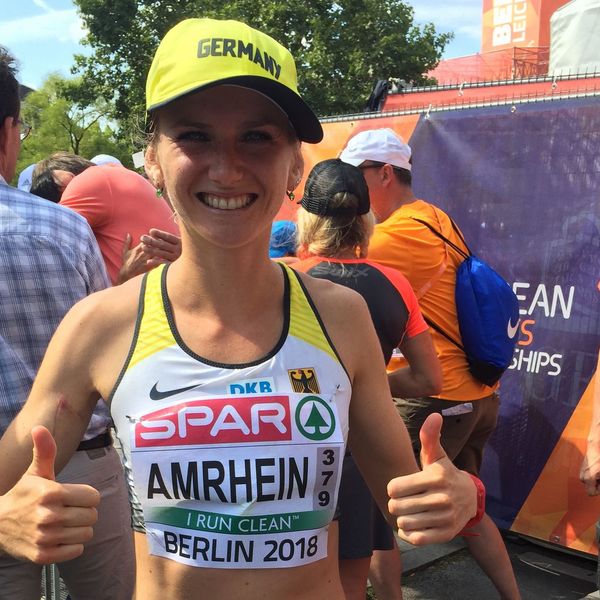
(304, 324)
(154, 333)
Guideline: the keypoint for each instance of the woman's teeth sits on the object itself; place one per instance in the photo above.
(226, 203)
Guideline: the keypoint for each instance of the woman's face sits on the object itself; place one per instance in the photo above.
(225, 157)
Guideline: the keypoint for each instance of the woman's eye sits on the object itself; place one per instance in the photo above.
(257, 136)
(193, 136)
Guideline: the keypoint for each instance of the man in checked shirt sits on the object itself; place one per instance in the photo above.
(49, 260)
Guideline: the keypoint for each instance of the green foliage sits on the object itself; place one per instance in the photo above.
(341, 48)
(64, 117)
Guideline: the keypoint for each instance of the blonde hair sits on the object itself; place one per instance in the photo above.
(330, 236)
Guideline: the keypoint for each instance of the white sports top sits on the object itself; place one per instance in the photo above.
(232, 466)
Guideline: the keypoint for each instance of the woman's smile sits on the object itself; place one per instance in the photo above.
(226, 202)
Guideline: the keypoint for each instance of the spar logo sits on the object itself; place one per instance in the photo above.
(217, 421)
(314, 418)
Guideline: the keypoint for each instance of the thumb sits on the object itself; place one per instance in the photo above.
(431, 448)
(44, 453)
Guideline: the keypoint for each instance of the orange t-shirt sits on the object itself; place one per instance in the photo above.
(430, 267)
(116, 201)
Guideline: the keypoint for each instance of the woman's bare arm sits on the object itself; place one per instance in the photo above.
(427, 506)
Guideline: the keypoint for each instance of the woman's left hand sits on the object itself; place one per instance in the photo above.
(433, 505)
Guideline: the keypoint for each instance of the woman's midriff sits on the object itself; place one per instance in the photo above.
(159, 578)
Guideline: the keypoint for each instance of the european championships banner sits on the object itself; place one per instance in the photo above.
(523, 183)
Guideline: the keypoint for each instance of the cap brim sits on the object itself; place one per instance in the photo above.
(352, 161)
(304, 120)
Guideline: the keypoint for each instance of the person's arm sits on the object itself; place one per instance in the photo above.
(40, 519)
(427, 506)
(423, 375)
(590, 467)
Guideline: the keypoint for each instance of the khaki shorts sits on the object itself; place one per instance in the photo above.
(466, 429)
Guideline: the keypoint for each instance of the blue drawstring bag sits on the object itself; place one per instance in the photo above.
(487, 311)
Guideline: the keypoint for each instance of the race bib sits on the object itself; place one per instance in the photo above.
(239, 481)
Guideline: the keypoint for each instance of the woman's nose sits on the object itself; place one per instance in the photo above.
(225, 164)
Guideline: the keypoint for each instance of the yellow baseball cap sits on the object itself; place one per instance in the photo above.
(201, 53)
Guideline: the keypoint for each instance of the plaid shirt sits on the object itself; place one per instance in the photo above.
(49, 260)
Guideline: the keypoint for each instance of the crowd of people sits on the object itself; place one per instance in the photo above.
(263, 449)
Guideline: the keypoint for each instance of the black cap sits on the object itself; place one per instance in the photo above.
(331, 177)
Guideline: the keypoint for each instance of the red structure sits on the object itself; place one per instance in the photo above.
(517, 23)
(513, 64)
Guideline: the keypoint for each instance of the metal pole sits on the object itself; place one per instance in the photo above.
(51, 583)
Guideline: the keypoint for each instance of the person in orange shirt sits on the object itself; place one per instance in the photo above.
(121, 207)
(53, 174)
(469, 407)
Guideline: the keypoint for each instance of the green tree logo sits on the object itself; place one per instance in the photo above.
(314, 418)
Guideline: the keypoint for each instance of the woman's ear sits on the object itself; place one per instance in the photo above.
(297, 170)
(152, 167)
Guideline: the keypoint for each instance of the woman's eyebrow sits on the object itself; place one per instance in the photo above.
(183, 122)
(261, 121)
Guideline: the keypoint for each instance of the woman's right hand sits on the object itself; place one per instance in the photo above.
(44, 521)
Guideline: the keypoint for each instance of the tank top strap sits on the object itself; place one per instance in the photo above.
(305, 321)
(153, 330)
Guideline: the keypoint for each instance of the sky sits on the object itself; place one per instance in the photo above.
(43, 35)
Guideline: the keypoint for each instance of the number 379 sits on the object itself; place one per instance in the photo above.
(328, 459)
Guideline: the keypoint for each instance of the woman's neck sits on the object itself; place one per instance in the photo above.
(226, 280)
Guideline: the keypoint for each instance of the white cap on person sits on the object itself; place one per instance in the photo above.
(24, 182)
(105, 159)
(378, 145)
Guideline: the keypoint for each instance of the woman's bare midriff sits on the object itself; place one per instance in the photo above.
(159, 578)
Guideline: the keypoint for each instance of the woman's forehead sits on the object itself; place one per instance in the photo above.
(235, 102)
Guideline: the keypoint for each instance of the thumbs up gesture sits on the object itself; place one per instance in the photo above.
(432, 505)
(44, 521)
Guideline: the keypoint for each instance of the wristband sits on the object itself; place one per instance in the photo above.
(480, 506)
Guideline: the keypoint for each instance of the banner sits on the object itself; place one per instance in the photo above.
(523, 183)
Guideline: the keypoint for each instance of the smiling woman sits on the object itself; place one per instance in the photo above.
(234, 467)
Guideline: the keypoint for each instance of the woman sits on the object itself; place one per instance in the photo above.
(335, 224)
(231, 381)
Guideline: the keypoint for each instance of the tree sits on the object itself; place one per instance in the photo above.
(63, 118)
(341, 48)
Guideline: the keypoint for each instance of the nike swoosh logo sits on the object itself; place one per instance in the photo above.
(155, 394)
(511, 330)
